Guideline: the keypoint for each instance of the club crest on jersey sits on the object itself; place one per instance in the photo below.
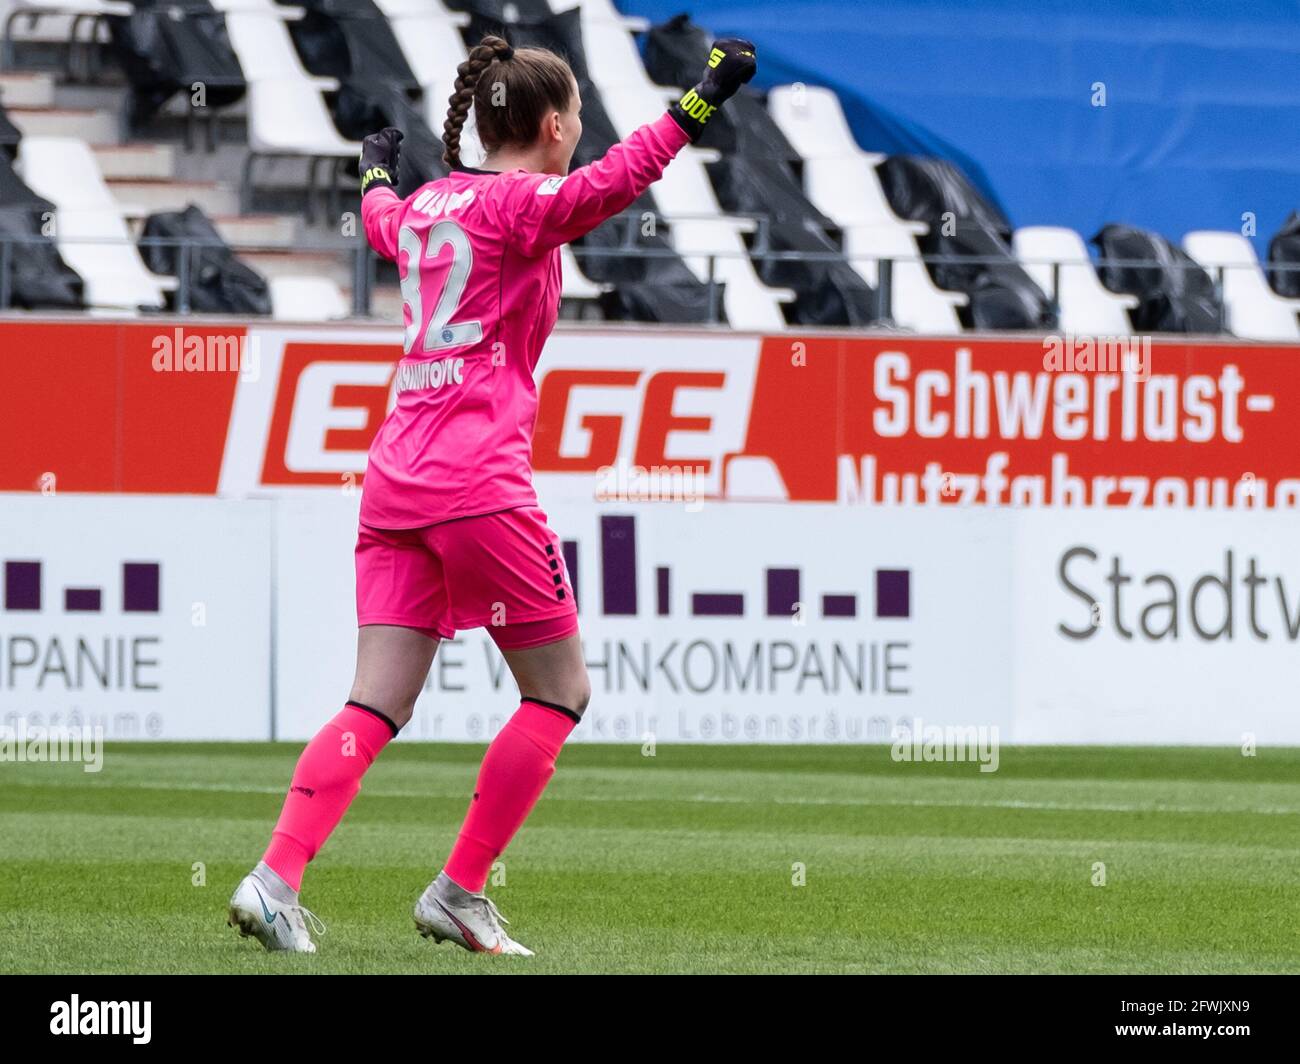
(550, 186)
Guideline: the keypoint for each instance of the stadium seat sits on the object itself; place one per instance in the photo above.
(1175, 293)
(748, 302)
(1254, 310)
(64, 170)
(598, 11)
(432, 46)
(286, 113)
(812, 121)
(288, 117)
(848, 190)
(307, 299)
(265, 49)
(54, 20)
(612, 56)
(575, 284)
(406, 8)
(915, 301)
(89, 229)
(839, 177)
(634, 103)
(1087, 306)
(262, 7)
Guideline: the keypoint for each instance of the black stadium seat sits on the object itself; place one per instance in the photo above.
(219, 283)
(1284, 258)
(163, 54)
(1175, 294)
(9, 135)
(964, 225)
(38, 277)
(350, 41)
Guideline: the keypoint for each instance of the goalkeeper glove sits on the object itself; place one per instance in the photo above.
(378, 164)
(731, 64)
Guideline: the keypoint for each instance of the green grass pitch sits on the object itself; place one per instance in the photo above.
(686, 861)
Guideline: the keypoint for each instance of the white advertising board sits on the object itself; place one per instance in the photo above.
(713, 622)
(1156, 628)
(146, 616)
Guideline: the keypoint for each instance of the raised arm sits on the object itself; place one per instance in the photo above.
(548, 211)
(381, 207)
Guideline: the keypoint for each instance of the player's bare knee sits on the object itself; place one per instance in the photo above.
(398, 709)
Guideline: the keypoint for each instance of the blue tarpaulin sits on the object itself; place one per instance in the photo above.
(1197, 131)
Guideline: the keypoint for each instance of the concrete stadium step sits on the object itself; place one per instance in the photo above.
(385, 303)
(146, 197)
(26, 90)
(136, 162)
(257, 230)
(94, 127)
(385, 306)
(291, 263)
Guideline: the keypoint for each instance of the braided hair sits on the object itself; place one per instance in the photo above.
(510, 89)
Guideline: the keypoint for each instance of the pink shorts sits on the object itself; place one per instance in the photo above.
(503, 572)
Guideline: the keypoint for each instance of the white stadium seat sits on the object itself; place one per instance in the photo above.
(287, 115)
(575, 284)
(840, 179)
(602, 11)
(748, 302)
(812, 121)
(262, 7)
(848, 191)
(915, 301)
(307, 299)
(89, 228)
(1088, 307)
(64, 170)
(632, 105)
(98, 246)
(433, 49)
(1254, 310)
(432, 8)
(612, 56)
(265, 49)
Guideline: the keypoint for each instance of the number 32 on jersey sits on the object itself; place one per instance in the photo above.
(441, 331)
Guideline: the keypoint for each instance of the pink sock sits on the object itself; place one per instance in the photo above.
(516, 769)
(326, 780)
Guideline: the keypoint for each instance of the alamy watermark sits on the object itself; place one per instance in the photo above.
(26, 744)
(950, 742)
(656, 483)
(1127, 355)
(182, 352)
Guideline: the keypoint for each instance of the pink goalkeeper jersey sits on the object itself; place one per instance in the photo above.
(479, 257)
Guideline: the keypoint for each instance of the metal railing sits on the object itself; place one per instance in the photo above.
(362, 266)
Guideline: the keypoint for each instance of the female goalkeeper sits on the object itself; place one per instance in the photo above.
(451, 536)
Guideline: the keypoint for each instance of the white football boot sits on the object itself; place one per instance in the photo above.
(278, 925)
(447, 912)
